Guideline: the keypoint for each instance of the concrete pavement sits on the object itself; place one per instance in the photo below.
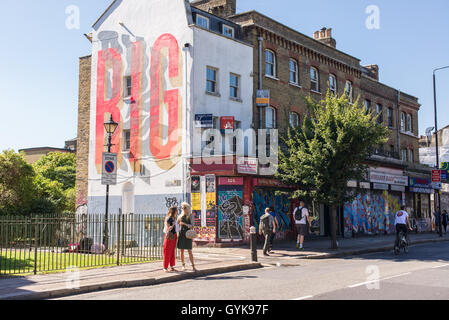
(209, 261)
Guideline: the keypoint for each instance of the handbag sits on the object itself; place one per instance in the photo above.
(191, 234)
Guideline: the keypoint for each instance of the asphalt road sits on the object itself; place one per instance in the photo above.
(422, 274)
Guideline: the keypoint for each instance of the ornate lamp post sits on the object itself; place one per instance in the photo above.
(110, 128)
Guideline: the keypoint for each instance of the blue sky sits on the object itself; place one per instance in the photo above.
(40, 55)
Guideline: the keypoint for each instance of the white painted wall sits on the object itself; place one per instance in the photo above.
(146, 20)
(228, 56)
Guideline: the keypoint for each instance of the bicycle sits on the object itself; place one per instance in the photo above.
(403, 244)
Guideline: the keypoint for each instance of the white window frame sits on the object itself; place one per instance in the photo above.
(293, 123)
(411, 155)
(295, 71)
(334, 89)
(265, 122)
(127, 87)
(198, 17)
(404, 154)
(367, 105)
(231, 86)
(126, 140)
(215, 81)
(409, 123)
(273, 64)
(349, 93)
(225, 26)
(379, 110)
(403, 121)
(314, 82)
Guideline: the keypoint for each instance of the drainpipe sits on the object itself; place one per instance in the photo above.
(398, 122)
(260, 40)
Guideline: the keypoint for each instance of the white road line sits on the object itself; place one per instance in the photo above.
(374, 281)
(303, 298)
(442, 266)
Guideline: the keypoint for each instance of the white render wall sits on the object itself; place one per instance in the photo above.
(146, 20)
(228, 56)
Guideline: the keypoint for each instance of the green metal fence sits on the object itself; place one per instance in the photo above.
(56, 243)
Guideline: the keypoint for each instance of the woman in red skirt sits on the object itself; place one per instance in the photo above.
(170, 239)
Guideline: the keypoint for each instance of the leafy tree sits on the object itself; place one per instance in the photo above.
(55, 182)
(328, 150)
(16, 183)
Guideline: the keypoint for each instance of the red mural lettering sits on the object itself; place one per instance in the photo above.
(136, 105)
(108, 59)
(159, 150)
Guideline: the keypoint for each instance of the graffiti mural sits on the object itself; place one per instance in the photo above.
(165, 147)
(371, 213)
(230, 213)
(266, 198)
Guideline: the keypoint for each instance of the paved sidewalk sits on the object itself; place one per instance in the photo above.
(320, 248)
(56, 285)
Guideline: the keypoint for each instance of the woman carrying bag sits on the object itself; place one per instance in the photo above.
(171, 229)
(186, 235)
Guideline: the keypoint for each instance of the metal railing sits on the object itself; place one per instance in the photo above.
(56, 243)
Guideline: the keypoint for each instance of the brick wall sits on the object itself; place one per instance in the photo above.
(82, 154)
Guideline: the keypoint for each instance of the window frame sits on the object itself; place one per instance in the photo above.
(409, 126)
(229, 27)
(273, 119)
(296, 71)
(295, 114)
(126, 140)
(127, 87)
(390, 115)
(215, 81)
(349, 94)
(379, 110)
(236, 87)
(334, 90)
(199, 16)
(403, 121)
(273, 64)
(315, 81)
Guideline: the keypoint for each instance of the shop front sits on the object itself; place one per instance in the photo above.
(374, 207)
(421, 191)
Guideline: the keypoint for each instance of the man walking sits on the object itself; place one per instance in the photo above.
(266, 228)
(276, 228)
(301, 216)
(445, 220)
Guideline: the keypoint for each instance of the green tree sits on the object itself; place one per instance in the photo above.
(55, 183)
(16, 183)
(328, 150)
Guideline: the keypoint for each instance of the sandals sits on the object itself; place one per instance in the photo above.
(184, 267)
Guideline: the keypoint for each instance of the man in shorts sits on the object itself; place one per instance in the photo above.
(301, 224)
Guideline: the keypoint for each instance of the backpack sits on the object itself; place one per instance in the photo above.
(298, 214)
(267, 225)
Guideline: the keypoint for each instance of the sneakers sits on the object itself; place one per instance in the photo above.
(297, 245)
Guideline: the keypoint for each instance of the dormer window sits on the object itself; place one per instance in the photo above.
(228, 31)
(202, 21)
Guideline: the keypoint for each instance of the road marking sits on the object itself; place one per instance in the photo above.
(374, 281)
(442, 266)
(303, 298)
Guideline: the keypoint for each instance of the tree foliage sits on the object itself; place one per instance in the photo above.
(329, 149)
(48, 186)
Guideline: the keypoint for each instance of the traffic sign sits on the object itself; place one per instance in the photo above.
(444, 175)
(109, 174)
(436, 175)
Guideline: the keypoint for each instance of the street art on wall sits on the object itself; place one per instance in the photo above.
(371, 213)
(267, 198)
(165, 139)
(230, 213)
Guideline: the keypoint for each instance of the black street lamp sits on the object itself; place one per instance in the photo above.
(110, 128)
(436, 142)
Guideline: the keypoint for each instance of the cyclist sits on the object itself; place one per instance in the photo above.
(401, 222)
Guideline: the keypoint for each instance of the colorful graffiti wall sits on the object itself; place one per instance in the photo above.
(230, 213)
(266, 198)
(371, 213)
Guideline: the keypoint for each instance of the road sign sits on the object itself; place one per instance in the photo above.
(109, 174)
(436, 175)
(263, 98)
(444, 175)
(204, 120)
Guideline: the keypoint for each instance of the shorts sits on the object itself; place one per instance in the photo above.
(301, 229)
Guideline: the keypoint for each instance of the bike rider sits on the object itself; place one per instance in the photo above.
(401, 222)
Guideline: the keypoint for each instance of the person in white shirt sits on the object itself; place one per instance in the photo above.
(301, 224)
(401, 222)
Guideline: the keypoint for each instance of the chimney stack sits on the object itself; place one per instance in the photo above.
(221, 8)
(372, 71)
(325, 36)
